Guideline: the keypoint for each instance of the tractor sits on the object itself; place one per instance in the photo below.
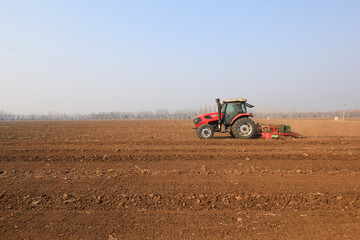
(231, 116)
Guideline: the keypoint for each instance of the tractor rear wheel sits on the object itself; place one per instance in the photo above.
(244, 128)
(205, 131)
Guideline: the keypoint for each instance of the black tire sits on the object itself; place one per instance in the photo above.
(244, 128)
(232, 134)
(205, 131)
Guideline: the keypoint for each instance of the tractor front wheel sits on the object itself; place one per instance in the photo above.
(205, 131)
(244, 128)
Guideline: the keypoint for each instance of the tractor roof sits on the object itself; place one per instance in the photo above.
(235, 100)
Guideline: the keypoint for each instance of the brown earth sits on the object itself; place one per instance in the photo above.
(157, 180)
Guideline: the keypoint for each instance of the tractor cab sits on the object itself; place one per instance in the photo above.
(232, 107)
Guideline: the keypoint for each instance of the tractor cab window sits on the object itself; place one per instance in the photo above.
(233, 109)
(243, 108)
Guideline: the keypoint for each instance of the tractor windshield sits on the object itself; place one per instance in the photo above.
(235, 108)
(230, 110)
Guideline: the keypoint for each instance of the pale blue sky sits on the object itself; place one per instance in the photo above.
(92, 56)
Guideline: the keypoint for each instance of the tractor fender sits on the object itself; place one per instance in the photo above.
(240, 116)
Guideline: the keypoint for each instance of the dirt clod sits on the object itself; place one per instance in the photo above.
(203, 169)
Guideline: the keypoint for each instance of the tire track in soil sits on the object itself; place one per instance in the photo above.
(193, 202)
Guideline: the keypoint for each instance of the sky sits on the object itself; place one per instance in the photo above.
(97, 56)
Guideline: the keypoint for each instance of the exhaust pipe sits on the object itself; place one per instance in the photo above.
(219, 110)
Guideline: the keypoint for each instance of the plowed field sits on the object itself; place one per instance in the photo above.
(156, 180)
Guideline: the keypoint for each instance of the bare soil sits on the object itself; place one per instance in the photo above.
(156, 180)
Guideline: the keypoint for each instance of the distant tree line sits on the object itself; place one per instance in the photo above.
(164, 114)
(159, 114)
(331, 115)
(293, 114)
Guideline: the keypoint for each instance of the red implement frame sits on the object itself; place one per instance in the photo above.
(268, 131)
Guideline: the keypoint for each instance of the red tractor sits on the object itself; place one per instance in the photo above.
(233, 118)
